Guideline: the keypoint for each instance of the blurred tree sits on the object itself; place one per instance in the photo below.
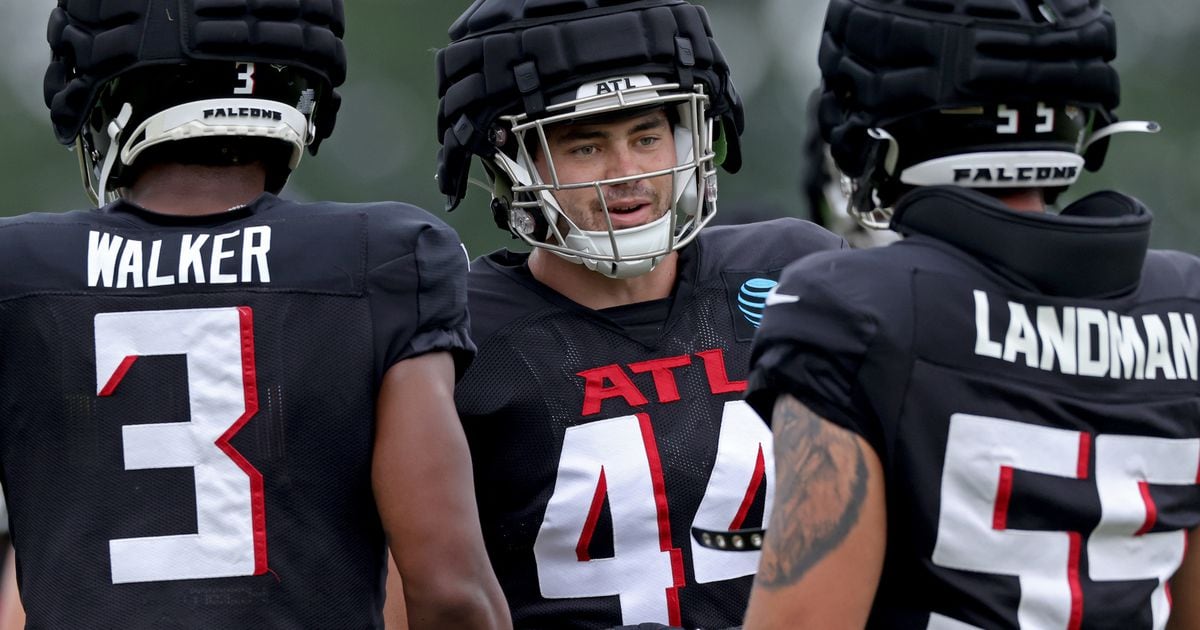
(384, 146)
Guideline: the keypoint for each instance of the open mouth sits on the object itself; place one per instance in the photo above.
(627, 207)
(627, 213)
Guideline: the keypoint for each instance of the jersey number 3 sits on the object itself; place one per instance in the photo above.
(218, 345)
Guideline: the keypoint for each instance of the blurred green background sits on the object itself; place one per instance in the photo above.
(385, 144)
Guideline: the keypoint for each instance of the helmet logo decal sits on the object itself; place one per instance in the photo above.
(997, 169)
(608, 87)
(752, 299)
(613, 85)
(1021, 175)
(243, 112)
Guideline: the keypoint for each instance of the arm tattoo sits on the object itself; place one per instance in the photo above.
(820, 490)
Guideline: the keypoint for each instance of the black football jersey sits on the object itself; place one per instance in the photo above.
(187, 407)
(1029, 383)
(600, 438)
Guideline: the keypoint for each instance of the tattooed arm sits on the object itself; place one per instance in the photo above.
(825, 542)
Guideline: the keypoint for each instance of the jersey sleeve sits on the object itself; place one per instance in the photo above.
(419, 298)
(813, 344)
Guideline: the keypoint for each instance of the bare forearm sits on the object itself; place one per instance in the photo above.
(425, 493)
(12, 614)
(825, 540)
(1185, 604)
(450, 607)
(821, 486)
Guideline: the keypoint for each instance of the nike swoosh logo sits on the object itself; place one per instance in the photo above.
(775, 297)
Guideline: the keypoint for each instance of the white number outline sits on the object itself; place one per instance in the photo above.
(218, 345)
(981, 455)
(1010, 115)
(245, 70)
(1012, 118)
(1045, 116)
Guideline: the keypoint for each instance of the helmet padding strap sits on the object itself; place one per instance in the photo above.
(115, 129)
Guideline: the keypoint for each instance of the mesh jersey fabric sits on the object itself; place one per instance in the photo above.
(567, 412)
(1012, 414)
(328, 297)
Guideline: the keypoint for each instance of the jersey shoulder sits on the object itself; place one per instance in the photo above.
(863, 277)
(38, 226)
(764, 244)
(831, 312)
(38, 250)
(501, 291)
(393, 229)
(1169, 273)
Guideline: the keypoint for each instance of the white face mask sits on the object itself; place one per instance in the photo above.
(636, 241)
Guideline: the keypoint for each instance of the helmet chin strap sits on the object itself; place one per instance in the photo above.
(115, 129)
(1128, 126)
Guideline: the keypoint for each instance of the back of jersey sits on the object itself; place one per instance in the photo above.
(1049, 450)
(187, 408)
(1041, 452)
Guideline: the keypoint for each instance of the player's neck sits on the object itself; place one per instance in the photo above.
(190, 190)
(596, 291)
(1025, 200)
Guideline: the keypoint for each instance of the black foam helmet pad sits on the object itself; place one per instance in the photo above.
(884, 60)
(93, 41)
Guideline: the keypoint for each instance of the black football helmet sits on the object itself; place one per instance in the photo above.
(978, 93)
(237, 79)
(515, 67)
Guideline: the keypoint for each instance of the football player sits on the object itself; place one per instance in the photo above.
(604, 412)
(216, 406)
(994, 423)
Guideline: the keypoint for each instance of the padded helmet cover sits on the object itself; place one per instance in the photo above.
(885, 60)
(93, 41)
(516, 56)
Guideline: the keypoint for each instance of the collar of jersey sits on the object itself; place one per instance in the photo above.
(237, 213)
(515, 265)
(1094, 248)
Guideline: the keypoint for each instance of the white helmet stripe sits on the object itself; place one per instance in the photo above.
(997, 169)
